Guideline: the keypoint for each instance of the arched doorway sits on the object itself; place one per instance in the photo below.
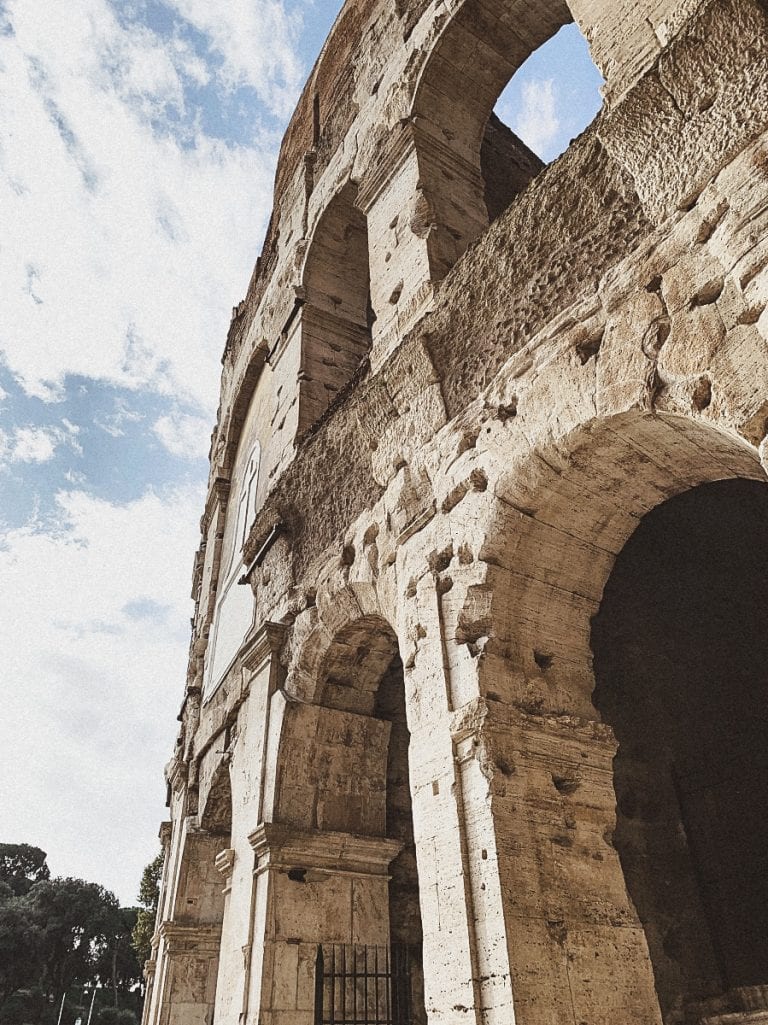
(681, 665)
(363, 673)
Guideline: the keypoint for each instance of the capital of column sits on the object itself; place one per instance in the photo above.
(185, 939)
(286, 848)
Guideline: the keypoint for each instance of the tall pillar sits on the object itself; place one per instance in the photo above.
(187, 987)
(311, 889)
(577, 951)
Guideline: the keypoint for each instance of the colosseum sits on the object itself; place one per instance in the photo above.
(474, 728)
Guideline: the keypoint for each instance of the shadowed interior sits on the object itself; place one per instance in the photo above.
(680, 653)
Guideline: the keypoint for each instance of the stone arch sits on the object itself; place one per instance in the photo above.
(680, 659)
(314, 633)
(336, 314)
(570, 511)
(342, 765)
(565, 514)
(472, 166)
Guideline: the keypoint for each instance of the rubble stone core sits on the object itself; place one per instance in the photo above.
(477, 663)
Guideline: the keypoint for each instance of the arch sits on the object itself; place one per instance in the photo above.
(472, 166)
(234, 609)
(565, 513)
(480, 48)
(314, 632)
(343, 765)
(680, 656)
(336, 315)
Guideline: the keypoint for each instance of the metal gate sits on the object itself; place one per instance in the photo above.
(362, 985)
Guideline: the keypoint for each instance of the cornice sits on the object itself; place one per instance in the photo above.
(286, 848)
(266, 642)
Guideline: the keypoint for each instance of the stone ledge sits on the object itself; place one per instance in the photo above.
(284, 847)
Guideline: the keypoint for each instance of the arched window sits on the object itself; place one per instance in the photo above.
(337, 315)
(472, 165)
(233, 615)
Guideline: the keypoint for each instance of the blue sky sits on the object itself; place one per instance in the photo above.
(137, 149)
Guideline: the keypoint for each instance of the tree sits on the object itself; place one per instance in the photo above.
(118, 966)
(77, 921)
(20, 955)
(21, 866)
(149, 899)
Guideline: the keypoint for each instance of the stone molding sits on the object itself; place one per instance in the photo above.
(283, 847)
(266, 642)
(185, 939)
(225, 861)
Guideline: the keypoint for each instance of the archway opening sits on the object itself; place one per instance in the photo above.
(337, 314)
(363, 674)
(548, 85)
(550, 100)
(680, 646)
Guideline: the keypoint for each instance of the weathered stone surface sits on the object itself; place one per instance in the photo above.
(454, 403)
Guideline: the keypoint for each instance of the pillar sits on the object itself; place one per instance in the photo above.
(311, 888)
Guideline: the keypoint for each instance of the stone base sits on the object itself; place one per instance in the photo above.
(745, 1006)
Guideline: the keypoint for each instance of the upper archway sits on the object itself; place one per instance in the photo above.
(472, 165)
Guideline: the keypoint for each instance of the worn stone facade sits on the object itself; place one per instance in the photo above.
(479, 660)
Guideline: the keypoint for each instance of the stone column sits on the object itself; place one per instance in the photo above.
(149, 1012)
(310, 888)
(400, 225)
(187, 987)
(577, 950)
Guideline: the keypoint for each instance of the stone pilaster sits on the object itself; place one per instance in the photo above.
(310, 888)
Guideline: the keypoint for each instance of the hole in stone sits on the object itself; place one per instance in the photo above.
(589, 348)
(566, 785)
(297, 875)
(542, 660)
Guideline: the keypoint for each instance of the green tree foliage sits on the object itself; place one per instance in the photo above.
(76, 921)
(19, 946)
(67, 937)
(118, 967)
(21, 866)
(149, 899)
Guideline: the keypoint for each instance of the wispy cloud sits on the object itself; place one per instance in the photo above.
(256, 41)
(35, 444)
(96, 652)
(538, 122)
(107, 222)
(183, 435)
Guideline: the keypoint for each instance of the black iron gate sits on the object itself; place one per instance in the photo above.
(362, 985)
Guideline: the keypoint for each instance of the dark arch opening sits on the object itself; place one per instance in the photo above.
(363, 673)
(681, 663)
(337, 315)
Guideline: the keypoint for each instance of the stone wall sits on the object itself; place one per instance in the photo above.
(458, 443)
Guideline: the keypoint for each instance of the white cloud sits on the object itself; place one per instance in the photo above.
(32, 445)
(256, 40)
(95, 642)
(538, 123)
(123, 250)
(185, 436)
